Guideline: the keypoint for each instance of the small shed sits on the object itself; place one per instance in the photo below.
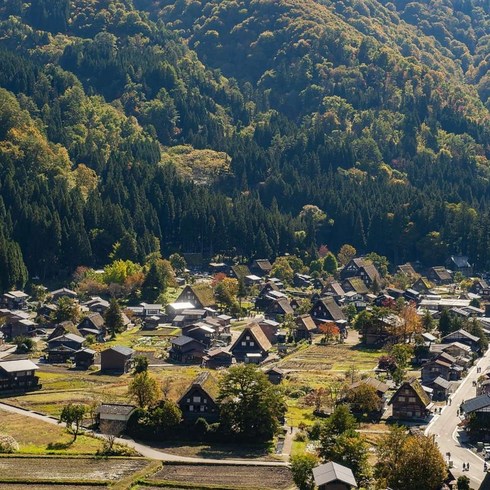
(113, 417)
(334, 476)
(275, 375)
(84, 358)
(117, 359)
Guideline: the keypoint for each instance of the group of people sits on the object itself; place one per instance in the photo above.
(466, 466)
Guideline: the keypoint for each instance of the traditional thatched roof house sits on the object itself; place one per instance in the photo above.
(199, 400)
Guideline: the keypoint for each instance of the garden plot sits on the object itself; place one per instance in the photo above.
(250, 477)
(68, 469)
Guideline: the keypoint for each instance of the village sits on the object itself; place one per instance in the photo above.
(391, 346)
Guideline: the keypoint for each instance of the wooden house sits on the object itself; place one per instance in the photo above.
(463, 337)
(217, 358)
(333, 476)
(15, 300)
(186, 350)
(459, 263)
(275, 375)
(18, 376)
(326, 310)
(410, 401)
(84, 358)
(354, 284)
(62, 293)
(422, 285)
(252, 345)
(481, 288)
(333, 289)
(261, 267)
(200, 399)
(240, 271)
(380, 387)
(93, 324)
(352, 268)
(278, 309)
(62, 329)
(62, 348)
(305, 327)
(117, 359)
(439, 275)
(202, 332)
(113, 418)
(441, 388)
(97, 305)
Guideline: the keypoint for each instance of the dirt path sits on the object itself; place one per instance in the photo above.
(144, 450)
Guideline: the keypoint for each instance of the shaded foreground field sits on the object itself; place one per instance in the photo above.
(68, 469)
(226, 476)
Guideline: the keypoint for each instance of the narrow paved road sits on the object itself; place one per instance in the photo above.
(144, 450)
(450, 438)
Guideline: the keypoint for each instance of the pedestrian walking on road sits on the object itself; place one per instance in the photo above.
(485, 467)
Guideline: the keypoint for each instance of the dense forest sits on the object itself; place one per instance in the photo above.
(245, 128)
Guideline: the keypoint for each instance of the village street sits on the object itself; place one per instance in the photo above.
(450, 439)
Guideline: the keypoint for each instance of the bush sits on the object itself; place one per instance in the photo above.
(301, 436)
(8, 444)
(314, 431)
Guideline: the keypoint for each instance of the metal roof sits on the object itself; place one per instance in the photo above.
(330, 472)
(475, 404)
(14, 366)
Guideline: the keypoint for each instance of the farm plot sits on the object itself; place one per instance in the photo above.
(237, 477)
(68, 469)
(334, 358)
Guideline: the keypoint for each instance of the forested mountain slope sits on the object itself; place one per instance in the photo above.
(349, 106)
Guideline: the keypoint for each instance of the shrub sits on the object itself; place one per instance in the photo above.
(8, 444)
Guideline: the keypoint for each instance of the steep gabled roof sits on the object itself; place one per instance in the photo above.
(283, 304)
(371, 271)
(358, 285)
(331, 472)
(417, 388)
(333, 308)
(257, 333)
(375, 383)
(460, 333)
(125, 351)
(263, 264)
(95, 318)
(207, 383)
(204, 293)
(307, 322)
(241, 271)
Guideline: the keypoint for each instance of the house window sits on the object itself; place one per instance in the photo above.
(401, 398)
(191, 408)
(188, 400)
(252, 343)
(411, 399)
(247, 337)
(244, 344)
(201, 408)
(196, 399)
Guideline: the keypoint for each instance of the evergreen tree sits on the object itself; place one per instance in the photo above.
(113, 318)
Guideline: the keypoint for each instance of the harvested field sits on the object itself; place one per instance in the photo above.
(321, 358)
(22, 486)
(237, 477)
(69, 469)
